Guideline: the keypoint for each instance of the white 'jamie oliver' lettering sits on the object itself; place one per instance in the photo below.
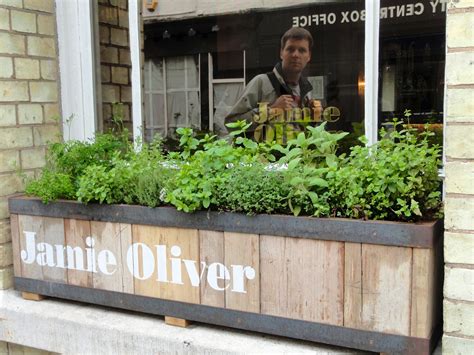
(141, 262)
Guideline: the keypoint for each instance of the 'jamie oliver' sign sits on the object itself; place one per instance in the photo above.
(219, 276)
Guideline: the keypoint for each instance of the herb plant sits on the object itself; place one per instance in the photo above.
(395, 179)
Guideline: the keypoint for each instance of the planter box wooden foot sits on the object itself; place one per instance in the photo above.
(32, 296)
(369, 285)
(177, 322)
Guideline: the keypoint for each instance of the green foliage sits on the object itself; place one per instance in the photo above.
(150, 188)
(103, 184)
(310, 156)
(120, 181)
(73, 157)
(252, 189)
(52, 186)
(395, 179)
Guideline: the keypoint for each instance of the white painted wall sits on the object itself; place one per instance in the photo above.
(169, 9)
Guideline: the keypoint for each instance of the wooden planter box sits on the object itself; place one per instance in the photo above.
(360, 284)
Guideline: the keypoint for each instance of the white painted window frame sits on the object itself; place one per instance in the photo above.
(371, 69)
(77, 68)
(136, 56)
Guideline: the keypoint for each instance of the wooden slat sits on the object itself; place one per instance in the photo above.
(315, 280)
(76, 232)
(54, 235)
(211, 244)
(125, 244)
(273, 276)
(188, 241)
(149, 236)
(423, 282)
(243, 249)
(117, 238)
(353, 285)
(31, 224)
(386, 282)
(15, 244)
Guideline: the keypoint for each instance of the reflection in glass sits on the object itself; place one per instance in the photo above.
(156, 79)
(176, 107)
(175, 73)
(225, 96)
(192, 68)
(194, 110)
(412, 60)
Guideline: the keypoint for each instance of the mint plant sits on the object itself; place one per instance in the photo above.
(395, 179)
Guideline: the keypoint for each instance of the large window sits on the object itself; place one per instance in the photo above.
(227, 51)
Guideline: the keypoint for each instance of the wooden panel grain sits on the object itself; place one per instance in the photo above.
(423, 293)
(315, 280)
(15, 244)
(112, 241)
(242, 251)
(177, 322)
(273, 276)
(32, 296)
(211, 244)
(126, 241)
(35, 225)
(76, 231)
(144, 237)
(54, 235)
(353, 285)
(175, 281)
(386, 283)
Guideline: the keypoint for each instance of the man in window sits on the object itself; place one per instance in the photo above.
(281, 95)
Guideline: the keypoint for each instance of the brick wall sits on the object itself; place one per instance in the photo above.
(29, 108)
(459, 207)
(115, 59)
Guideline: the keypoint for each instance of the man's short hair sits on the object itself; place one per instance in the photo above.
(297, 33)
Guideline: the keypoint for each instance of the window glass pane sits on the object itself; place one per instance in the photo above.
(244, 45)
(194, 109)
(225, 96)
(148, 114)
(228, 65)
(176, 102)
(192, 64)
(158, 118)
(175, 73)
(412, 59)
(156, 79)
(146, 76)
